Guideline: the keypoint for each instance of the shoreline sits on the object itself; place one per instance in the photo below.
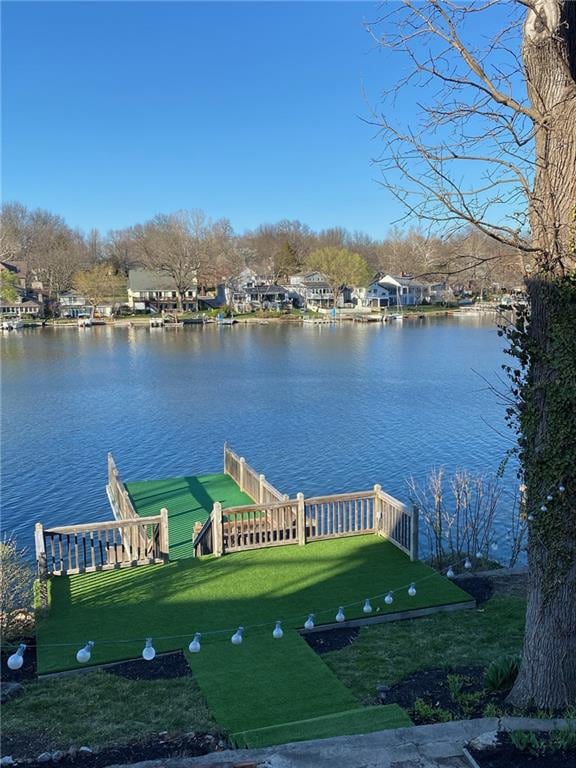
(363, 318)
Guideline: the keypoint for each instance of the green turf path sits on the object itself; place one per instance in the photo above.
(363, 720)
(188, 500)
(118, 609)
(274, 685)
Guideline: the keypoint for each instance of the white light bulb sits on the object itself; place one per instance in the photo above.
(236, 638)
(148, 651)
(277, 633)
(494, 546)
(367, 606)
(309, 623)
(561, 488)
(340, 615)
(530, 517)
(543, 508)
(194, 646)
(549, 497)
(17, 659)
(467, 564)
(389, 599)
(412, 590)
(450, 573)
(478, 554)
(83, 655)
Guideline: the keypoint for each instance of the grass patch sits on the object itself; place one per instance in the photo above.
(118, 609)
(188, 500)
(99, 709)
(363, 720)
(390, 652)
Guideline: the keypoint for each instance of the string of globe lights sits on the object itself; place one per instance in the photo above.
(549, 498)
(84, 654)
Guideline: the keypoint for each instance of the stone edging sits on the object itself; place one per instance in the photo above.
(508, 724)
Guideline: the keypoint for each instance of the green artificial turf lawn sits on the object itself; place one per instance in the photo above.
(265, 681)
(364, 720)
(274, 685)
(118, 609)
(188, 500)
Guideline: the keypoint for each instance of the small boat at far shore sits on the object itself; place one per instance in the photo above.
(13, 324)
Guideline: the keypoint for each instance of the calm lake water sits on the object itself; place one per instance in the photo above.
(318, 409)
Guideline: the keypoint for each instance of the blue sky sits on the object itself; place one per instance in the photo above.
(116, 111)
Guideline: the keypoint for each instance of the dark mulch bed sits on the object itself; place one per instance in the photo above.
(505, 755)
(479, 587)
(433, 687)
(158, 747)
(28, 670)
(166, 666)
(331, 639)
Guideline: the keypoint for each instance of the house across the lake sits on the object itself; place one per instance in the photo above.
(29, 299)
(153, 290)
(21, 308)
(403, 290)
(310, 290)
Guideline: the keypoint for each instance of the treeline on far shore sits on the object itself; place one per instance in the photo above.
(61, 258)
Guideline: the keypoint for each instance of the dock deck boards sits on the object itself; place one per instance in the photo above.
(188, 500)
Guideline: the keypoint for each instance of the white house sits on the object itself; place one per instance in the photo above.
(73, 304)
(157, 291)
(378, 295)
(21, 307)
(310, 289)
(389, 291)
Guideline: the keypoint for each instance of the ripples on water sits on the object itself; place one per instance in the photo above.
(318, 409)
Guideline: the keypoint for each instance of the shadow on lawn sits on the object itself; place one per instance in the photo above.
(248, 575)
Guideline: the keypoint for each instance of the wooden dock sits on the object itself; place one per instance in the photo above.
(146, 535)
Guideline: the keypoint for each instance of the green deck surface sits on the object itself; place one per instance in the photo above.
(118, 609)
(188, 500)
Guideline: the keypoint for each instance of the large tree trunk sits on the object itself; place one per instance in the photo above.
(547, 677)
(547, 405)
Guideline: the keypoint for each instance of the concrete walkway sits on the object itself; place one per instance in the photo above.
(423, 746)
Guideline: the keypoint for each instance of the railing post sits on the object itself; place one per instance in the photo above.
(217, 536)
(195, 531)
(301, 520)
(241, 479)
(112, 484)
(414, 533)
(42, 567)
(164, 537)
(377, 509)
(110, 468)
(225, 457)
(262, 479)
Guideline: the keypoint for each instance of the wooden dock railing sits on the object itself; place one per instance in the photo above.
(300, 520)
(396, 522)
(71, 549)
(342, 514)
(120, 501)
(248, 480)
